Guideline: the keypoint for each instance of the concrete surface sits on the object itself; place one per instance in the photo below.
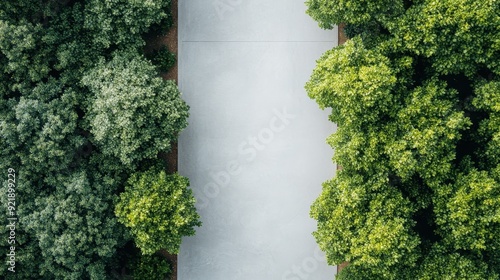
(255, 149)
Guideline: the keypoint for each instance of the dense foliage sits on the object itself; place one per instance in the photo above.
(416, 96)
(150, 267)
(81, 109)
(135, 113)
(163, 58)
(75, 227)
(158, 209)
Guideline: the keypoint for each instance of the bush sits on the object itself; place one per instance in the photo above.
(163, 59)
(161, 28)
(158, 209)
(151, 267)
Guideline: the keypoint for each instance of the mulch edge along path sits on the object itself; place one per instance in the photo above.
(171, 41)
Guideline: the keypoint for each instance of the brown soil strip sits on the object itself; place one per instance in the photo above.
(169, 40)
(341, 36)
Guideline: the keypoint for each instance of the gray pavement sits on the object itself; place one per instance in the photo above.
(255, 149)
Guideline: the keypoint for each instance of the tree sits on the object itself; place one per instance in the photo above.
(57, 83)
(418, 195)
(75, 227)
(329, 13)
(135, 114)
(122, 22)
(18, 45)
(158, 209)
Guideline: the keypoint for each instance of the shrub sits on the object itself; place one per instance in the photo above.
(163, 59)
(158, 209)
(150, 267)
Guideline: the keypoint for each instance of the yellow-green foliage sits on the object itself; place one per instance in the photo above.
(158, 209)
(488, 101)
(460, 36)
(362, 88)
(331, 12)
(417, 101)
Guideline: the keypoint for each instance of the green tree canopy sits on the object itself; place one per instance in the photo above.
(75, 227)
(328, 13)
(158, 209)
(81, 109)
(135, 114)
(415, 93)
(123, 22)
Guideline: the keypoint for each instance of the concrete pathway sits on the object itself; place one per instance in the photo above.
(255, 149)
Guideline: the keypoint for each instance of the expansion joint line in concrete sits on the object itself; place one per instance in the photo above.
(258, 42)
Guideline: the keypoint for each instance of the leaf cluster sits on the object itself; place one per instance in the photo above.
(159, 210)
(81, 109)
(414, 92)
